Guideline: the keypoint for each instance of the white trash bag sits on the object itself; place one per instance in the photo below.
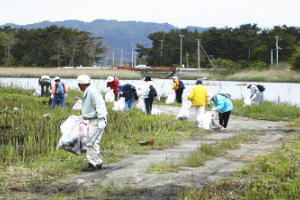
(171, 98)
(141, 105)
(109, 96)
(119, 105)
(74, 134)
(37, 92)
(77, 105)
(184, 112)
(247, 102)
(209, 122)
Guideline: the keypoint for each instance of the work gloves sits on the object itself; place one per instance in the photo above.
(102, 123)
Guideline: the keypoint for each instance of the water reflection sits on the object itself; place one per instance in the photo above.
(277, 92)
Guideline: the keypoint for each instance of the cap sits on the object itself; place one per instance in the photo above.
(199, 82)
(175, 77)
(148, 78)
(83, 79)
(56, 78)
(110, 79)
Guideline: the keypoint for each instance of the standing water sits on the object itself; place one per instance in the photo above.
(276, 92)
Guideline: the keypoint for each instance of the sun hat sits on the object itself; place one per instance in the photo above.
(83, 79)
(110, 79)
(56, 78)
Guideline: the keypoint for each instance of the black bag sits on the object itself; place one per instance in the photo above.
(261, 88)
(152, 92)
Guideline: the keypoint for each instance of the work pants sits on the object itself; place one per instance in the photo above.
(179, 95)
(59, 97)
(223, 118)
(200, 115)
(45, 85)
(148, 105)
(93, 150)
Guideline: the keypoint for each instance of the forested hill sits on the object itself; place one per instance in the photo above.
(117, 34)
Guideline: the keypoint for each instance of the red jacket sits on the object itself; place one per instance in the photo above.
(114, 85)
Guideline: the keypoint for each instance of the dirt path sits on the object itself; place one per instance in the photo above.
(131, 171)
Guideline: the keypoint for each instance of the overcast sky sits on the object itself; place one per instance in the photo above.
(181, 13)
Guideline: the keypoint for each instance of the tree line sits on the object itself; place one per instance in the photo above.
(50, 47)
(241, 47)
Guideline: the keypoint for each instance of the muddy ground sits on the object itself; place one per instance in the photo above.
(130, 172)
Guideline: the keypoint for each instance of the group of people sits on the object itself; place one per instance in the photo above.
(129, 92)
(58, 91)
(95, 112)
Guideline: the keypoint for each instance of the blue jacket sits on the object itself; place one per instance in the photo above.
(222, 103)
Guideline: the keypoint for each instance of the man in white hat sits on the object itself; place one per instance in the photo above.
(59, 93)
(93, 110)
(45, 83)
(113, 83)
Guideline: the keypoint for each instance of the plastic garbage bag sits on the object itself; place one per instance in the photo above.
(209, 122)
(171, 98)
(119, 105)
(37, 92)
(155, 111)
(184, 112)
(109, 96)
(74, 134)
(141, 105)
(77, 105)
(247, 102)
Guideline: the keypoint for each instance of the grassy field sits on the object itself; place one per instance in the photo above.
(271, 75)
(29, 133)
(275, 176)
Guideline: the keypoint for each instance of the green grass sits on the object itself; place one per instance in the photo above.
(204, 153)
(267, 110)
(209, 151)
(274, 176)
(28, 140)
(163, 168)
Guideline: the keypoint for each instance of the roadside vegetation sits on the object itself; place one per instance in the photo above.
(204, 153)
(29, 133)
(274, 176)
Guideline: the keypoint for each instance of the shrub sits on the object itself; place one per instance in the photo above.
(228, 64)
(295, 59)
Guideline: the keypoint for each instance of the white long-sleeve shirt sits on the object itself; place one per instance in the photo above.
(93, 105)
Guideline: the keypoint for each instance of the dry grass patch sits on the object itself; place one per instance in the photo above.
(67, 72)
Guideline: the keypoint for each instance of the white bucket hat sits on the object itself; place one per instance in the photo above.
(56, 78)
(110, 79)
(83, 79)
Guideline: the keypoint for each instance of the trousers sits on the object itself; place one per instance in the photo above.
(93, 151)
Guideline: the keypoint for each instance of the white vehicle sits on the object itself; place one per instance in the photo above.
(141, 66)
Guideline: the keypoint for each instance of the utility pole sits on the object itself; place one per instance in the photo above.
(271, 57)
(187, 59)
(113, 59)
(161, 47)
(277, 49)
(132, 64)
(121, 60)
(198, 52)
(181, 36)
